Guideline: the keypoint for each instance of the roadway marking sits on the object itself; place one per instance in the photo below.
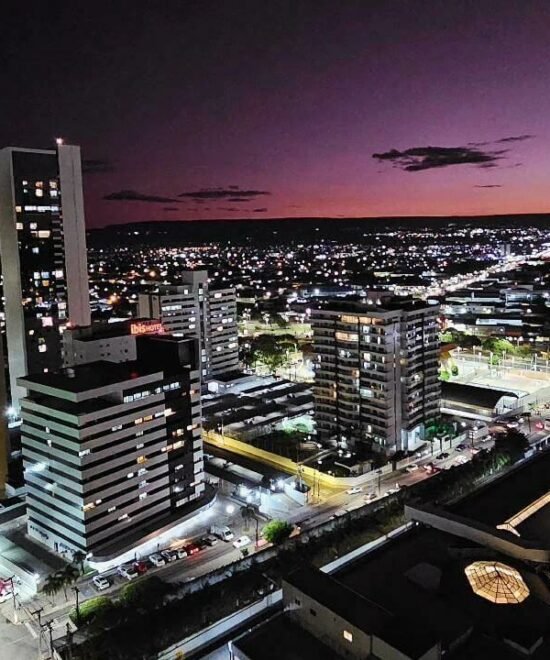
(30, 629)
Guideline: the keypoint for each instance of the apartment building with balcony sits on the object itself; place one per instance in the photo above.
(376, 371)
(195, 308)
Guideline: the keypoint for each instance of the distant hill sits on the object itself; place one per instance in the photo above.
(280, 230)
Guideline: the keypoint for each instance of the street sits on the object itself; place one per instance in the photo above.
(22, 639)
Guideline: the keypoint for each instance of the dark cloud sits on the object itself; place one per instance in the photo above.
(417, 159)
(133, 196)
(489, 185)
(170, 208)
(231, 192)
(97, 166)
(229, 209)
(516, 138)
(240, 199)
(259, 210)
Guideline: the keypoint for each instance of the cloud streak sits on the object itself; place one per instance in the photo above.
(489, 185)
(230, 193)
(479, 154)
(417, 159)
(134, 196)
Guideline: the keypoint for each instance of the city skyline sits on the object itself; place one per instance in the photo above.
(241, 111)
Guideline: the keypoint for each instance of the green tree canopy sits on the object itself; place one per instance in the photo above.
(277, 531)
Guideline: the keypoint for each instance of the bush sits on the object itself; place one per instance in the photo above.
(277, 531)
(454, 370)
(91, 609)
(146, 593)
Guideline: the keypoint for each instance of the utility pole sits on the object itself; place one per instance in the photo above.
(12, 583)
(38, 614)
(49, 627)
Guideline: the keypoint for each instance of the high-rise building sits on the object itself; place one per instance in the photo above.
(376, 377)
(43, 255)
(112, 449)
(197, 309)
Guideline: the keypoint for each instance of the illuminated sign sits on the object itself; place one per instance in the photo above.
(146, 328)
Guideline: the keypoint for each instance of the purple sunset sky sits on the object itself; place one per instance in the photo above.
(278, 107)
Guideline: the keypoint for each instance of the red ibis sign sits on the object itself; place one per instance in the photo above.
(146, 328)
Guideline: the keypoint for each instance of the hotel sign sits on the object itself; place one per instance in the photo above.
(146, 328)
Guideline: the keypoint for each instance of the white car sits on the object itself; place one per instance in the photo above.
(413, 467)
(241, 542)
(354, 490)
(157, 560)
(370, 497)
(181, 553)
(128, 572)
(393, 490)
(101, 583)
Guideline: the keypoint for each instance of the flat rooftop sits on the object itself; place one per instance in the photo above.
(357, 304)
(420, 578)
(281, 639)
(93, 375)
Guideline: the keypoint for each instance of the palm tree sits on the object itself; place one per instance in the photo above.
(53, 585)
(248, 513)
(78, 559)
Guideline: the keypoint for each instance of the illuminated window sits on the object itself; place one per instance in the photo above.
(347, 636)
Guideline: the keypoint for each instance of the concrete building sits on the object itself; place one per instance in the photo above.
(376, 375)
(196, 309)
(43, 255)
(112, 450)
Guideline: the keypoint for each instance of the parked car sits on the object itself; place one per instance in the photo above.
(192, 549)
(460, 447)
(211, 540)
(242, 541)
(157, 560)
(354, 490)
(101, 583)
(370, 497)
(168, 555)
(181, 553)
(140, 567)
(393, 490)
(413, 467)
(442, 456)
(222, 532)
(128, 572)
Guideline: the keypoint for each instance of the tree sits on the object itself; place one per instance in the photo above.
(53, 584)
(277, 531)
(512, 444)
(78, 559)
(248, 513)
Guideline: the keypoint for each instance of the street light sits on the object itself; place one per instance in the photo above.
(229, 509)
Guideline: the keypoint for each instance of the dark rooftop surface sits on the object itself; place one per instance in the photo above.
(504, 498)
(92, 375)
(483, 397)
(342, 599)
(281, 639)
(356, 304)
(451, 609)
